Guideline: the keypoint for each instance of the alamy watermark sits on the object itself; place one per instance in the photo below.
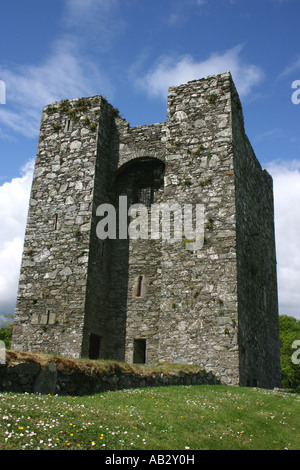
(169, 222)
(295, 358)
(296, 93)
(2, 353)
(2, 92)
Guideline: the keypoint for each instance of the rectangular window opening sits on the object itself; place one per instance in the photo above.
(94, 347)
(139, 351)
(56, 222)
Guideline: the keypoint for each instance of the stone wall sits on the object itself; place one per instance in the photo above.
(258, 324)
(32, 377)
(53, 281)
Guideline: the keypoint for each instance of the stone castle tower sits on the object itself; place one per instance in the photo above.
(149, 300)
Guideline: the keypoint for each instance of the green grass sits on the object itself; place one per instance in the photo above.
(166, 418)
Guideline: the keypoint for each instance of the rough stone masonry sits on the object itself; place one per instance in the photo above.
(152, 300)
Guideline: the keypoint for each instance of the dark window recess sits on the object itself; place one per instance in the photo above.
(67, 126)
(48, 317)
(55, 222)
(94, 349)
(140, 286)
(139, 351)
(145, 196)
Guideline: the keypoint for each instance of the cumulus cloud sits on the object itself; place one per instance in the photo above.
(14, 199)
(286, 180)
(67, 72)
(172, 71)
(63, 75)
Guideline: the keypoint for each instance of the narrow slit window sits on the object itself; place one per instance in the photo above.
(67, 126)
(139, 288)
(56, 222)
(48, 317)
(265, 297)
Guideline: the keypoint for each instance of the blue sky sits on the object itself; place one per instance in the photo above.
(130, 51)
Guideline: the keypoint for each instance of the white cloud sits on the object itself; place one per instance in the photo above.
(290, 69)
(67, 72)
(14, 198)
(96, 22)
(274, 133)
(286, 180)
(172, 71)
(63, 75)
(82, 11)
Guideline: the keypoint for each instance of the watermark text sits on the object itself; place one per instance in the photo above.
(296, 354)
(296, 93)
(2, 92)
(167, 221)
(2, 352)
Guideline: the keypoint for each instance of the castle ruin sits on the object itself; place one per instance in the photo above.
(152, 300)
